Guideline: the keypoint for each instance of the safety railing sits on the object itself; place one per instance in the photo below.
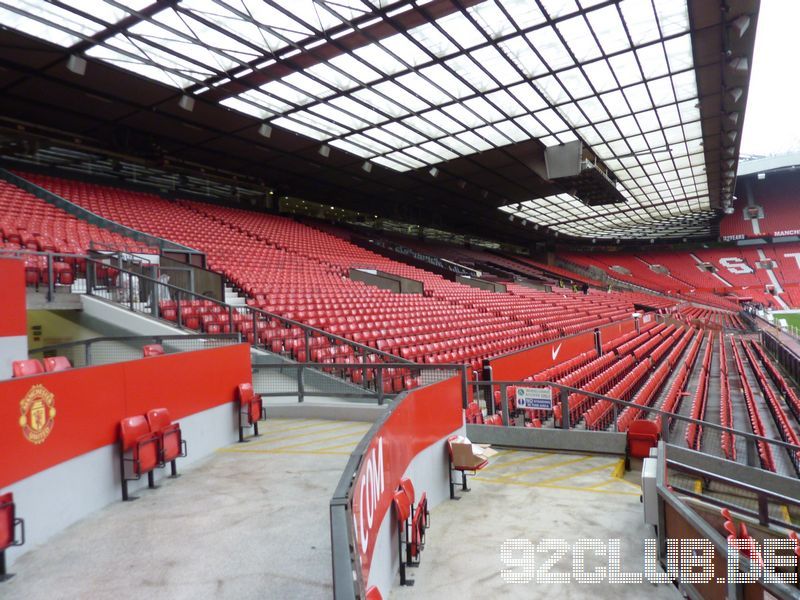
(492, 397)
(788, 358)
(192, 312)
(679, 519)
(108, 350)
(376, 381)
(347, 580)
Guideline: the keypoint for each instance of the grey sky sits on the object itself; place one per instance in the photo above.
(771, 125)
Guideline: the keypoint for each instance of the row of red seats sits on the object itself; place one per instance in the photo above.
(34, 366)
(694, 432)
(726, 404)
(654, 384)
(764, 449)
(787, 432)
(9, 524)
(412, 524)
(148, 442)
(675, 392)
(789, 394)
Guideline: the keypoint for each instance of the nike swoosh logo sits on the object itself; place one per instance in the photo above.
(554, 352)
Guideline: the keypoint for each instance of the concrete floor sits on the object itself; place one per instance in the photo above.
(534, 496)
(249, 522)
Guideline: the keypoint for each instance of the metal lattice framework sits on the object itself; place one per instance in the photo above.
(413, 85)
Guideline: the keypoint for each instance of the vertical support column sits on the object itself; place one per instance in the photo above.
(564, 399)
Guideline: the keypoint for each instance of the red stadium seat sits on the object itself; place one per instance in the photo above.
(251, 409)
(373, 593)
(142, 444)
(171, 444)
(461, 468)
(152, 350)
(23, 368)
(642, 435)
(402, 514)
(56, 363)
(8, 530)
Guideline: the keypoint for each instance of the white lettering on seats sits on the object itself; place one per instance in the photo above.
(735, 265)
(795, 256)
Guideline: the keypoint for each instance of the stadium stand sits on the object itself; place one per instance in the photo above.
(300, 272)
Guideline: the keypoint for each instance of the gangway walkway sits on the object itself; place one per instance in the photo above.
(250, 522)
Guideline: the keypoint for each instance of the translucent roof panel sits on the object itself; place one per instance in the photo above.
(620, 77)
(68, 24)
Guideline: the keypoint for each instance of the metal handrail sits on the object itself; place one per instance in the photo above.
(312, 331)
(135, 338)
(664, 421)
(347, 581)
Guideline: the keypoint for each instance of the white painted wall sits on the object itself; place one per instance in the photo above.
(122, 317)
(429, 473)
(12, 347)
(52, 500)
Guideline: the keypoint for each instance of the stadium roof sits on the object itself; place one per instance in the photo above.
(444, 106)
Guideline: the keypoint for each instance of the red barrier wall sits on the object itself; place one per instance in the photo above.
(88, 403)
(423, 417)
(518, 365)
(12, 297)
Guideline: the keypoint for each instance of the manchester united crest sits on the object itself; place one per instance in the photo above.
(37, 414)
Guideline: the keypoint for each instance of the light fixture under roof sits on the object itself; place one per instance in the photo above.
(76, 64)
(367, 166)
(265, 130)
(324, 151)
(186, 103)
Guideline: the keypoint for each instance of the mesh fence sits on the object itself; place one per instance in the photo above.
(104, 351)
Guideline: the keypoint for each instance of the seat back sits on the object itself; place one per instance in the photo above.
(23, 368)
(245, 392)
(6, 520)
(56, 363)
(408, 488)
(158, 419)
(152, 350)
(131, 429)
(643, 427)
(402, 506)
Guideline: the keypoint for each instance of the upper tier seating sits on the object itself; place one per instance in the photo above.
(30, 223)
(302, 273)
(777, 197)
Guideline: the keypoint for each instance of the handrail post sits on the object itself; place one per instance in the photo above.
(504, 405)
(178, 307)
(365, 369)
(301, 389)
(464, 386)
(230, 319)
(87, 353)
(51, 285)
(255, 337)
(130, 290)
(379, 384)
(564, 399)
(307, 344)
(763, 510)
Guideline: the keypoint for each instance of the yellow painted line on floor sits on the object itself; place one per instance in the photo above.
(785, 513)
(355, 435)
(314, 431)
(638, 486)
(337, 446)
(516, 475)
(278, 451)
(498, 465)
(619, 470)
(575, 474)
(564, 463)
(553, 487)
(276, 427)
